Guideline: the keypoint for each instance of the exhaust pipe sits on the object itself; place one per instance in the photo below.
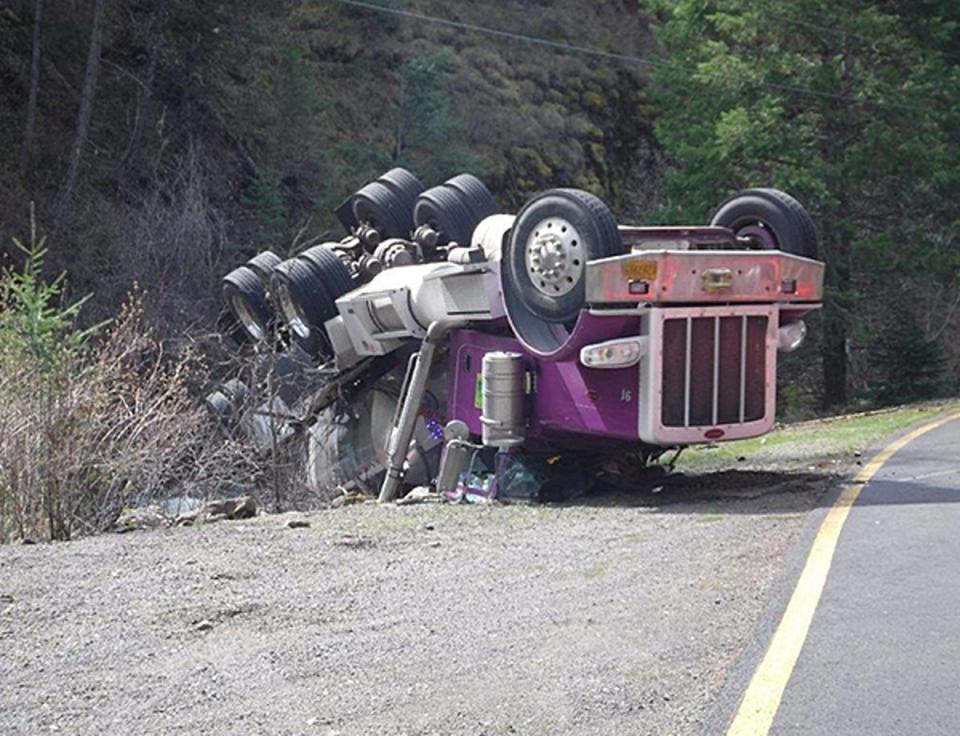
(402, 432)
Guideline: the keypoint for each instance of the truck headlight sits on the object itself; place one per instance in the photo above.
(791, 336)
(620, 353)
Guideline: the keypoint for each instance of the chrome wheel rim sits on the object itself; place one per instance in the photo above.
(292, 314)
(554, 257)
(250, 323)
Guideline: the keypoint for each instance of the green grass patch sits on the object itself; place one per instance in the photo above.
(813, 442)
(708, 518)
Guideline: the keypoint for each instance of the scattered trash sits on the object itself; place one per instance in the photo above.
(522, 476)
(420, 494)
(244, 507)
(297, 524)
(348, 499)
(145, 517)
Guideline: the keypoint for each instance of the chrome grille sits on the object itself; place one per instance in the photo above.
(714, 370)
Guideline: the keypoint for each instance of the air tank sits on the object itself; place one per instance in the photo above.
(504, 399)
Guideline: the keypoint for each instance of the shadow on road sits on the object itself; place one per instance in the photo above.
(737, 491)
(906, 492)
(726, 492)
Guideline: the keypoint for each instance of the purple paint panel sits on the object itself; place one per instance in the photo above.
(467, 348)
(570, 400)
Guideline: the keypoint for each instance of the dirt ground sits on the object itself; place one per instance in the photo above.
(619, 613)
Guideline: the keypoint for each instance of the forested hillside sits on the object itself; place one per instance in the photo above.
(170, 140)
(221, 129)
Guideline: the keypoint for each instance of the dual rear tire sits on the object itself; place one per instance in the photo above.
(305, 290)
(455, 208)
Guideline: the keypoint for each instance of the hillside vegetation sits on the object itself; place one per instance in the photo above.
(222, 129)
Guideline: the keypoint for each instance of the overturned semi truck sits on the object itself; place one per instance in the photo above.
(551, 329)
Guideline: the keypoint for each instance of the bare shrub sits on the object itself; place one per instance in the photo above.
(270, 425)
(91, 424)
(178, 237)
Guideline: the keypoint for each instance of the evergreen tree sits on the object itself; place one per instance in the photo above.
(265, 196)
(911, 365)
(427, 126)
(850, 106)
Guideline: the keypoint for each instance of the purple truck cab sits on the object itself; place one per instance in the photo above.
(698, 363)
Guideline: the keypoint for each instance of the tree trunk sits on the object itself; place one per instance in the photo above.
(26, 153)
(87, 94)
(834, 356)
(838, 302)
(132, 160)
(398, 129)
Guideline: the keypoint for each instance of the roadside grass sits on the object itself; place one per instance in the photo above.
(828, 441)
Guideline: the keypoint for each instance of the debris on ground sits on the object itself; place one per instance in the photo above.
(353, 540)
(420, 494)
(348, 499)
(244, 507)
(145, 517)
(184, 511)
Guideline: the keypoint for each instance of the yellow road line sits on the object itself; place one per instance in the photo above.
(760, 703)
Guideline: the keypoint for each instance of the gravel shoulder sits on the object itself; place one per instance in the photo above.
(621, 613)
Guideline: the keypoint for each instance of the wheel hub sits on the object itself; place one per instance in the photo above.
(292, 313)
(554, 257)
(245, 315)
(758, 232)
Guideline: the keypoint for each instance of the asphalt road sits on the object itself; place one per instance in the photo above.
(882, 655)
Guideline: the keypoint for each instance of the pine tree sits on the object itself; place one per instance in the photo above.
(427, 126)
(850, 106)
(911, 365)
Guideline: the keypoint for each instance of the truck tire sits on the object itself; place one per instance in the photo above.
(404, 184)
(445, 210)
(219, 406)
(263, 264)
(305, 304)
(246, 297)
(381, 207)
(331, 270)
(475, 195)
(237, 391)
(772, 219)
(555, 235)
